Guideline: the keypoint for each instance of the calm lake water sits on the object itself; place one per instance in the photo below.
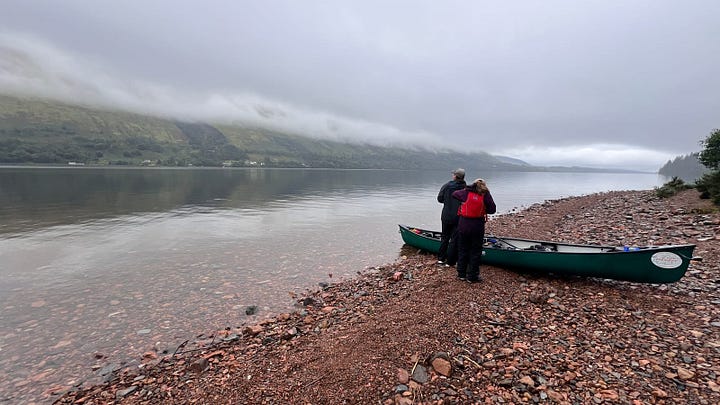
(115, 262)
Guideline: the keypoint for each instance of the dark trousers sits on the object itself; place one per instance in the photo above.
(448, 243)
(470, 255)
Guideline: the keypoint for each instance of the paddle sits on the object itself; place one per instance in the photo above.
(503, 241)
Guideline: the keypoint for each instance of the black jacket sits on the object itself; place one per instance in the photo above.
(450, 205)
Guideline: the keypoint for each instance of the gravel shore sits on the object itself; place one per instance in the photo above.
(410, 333)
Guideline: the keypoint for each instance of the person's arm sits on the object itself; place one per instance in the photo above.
(441, 195)
(460, 195)
(490, 207)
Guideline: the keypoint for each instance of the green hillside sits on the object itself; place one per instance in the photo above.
(34, 131)
(38, 131)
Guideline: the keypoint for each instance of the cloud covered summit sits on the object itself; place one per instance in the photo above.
(607, 84)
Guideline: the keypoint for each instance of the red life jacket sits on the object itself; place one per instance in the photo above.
(473, 207)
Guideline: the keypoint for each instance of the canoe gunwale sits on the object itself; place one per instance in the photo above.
(611, 249)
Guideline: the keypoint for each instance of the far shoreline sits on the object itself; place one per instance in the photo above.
(533, 169)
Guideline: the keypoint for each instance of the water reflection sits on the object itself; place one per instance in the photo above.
(37, 198)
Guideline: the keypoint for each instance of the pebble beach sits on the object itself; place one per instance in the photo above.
(409, 332)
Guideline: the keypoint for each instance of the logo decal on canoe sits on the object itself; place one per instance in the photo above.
(666, 260)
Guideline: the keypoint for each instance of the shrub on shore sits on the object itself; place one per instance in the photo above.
(709, 184)
(672, 187)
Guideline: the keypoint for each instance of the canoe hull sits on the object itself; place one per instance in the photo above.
(428, 241)
(662, 264)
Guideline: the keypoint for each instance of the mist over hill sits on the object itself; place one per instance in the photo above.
(49, 132)
(39, 131)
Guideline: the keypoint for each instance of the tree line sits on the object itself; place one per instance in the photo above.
(687, 168)
(708, 184)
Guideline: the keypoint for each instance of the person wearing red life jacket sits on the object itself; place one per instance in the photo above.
(477, 203)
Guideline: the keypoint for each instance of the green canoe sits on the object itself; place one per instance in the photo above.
(649, 264)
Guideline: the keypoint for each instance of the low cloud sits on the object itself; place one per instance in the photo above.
(594, 155)
(32, 66)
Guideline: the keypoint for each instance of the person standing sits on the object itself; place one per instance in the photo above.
(476, 204)
(448, 242)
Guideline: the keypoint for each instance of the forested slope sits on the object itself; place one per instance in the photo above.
(35, 131)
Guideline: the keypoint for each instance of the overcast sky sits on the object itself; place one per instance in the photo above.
(602, 83)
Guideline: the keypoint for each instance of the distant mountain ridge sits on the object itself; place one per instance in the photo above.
(507, 159)
(40, 131)
(50, 132)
